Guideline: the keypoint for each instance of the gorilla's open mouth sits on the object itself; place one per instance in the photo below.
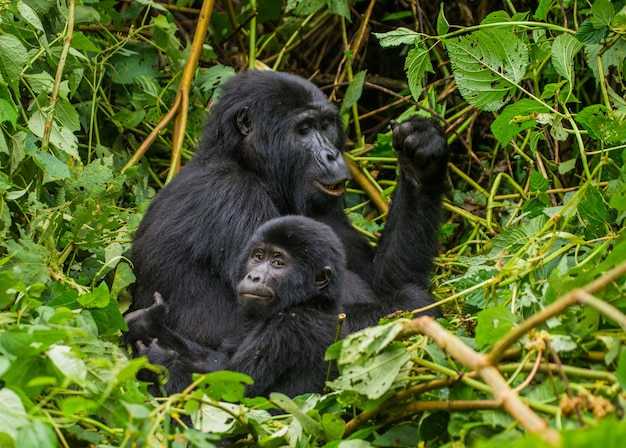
(337, 189)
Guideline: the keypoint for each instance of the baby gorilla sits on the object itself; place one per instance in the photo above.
(292, 274)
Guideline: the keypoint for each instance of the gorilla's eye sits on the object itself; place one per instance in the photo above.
(257, 254)
(325, 124)
(277, 260)
(304, 129)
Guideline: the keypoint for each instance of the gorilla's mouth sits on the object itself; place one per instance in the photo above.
(337, 189)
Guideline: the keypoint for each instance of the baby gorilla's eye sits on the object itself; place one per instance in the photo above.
(257, 254)
(277, 260)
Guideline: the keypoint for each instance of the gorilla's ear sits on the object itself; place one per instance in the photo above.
(243, 121)
(323, 277)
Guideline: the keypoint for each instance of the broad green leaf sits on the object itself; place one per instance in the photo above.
(52, 167)
(493, 324)
(366, 343)
(374, 376)
(68, 363)
(354, 91)
(487, 65)
(602, 13)
(62, 138)
(308, 423)
(612, 58)
(124, 277)
(37, 434)
(30, 16)
(564, 48)
(417, 63)
(29, 261)
(13, 59)
(66, 114)
(8, 112)
(97, 298)
(588, 34)
(602, 124)
(516, 117)
(12, 413)
(399, 36)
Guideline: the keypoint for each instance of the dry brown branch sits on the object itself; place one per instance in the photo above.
(581, 296)
(508, 399)
(179, 108)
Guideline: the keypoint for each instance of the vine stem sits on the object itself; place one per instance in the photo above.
(54, 96)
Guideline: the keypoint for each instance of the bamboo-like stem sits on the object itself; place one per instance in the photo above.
(179, 108)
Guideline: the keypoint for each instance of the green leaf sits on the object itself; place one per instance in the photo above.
(488, 64)
(399, 36)
(564, 48)
(354, 91)
(541, 13)
(374, 376)
(309, 425)
(8, 112)
(442, 23)
(516, 117)
(417, 63)
(12, 413)
(37, 434)
(588, 34)
(493, 324)
(29, 261)
(97, 298)
(538, 182)
(366, 343)
(68, 363)
(602, 13)
(13, 59)
(30, 16)
(52, 167)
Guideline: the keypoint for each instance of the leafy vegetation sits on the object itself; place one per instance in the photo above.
(533, 266)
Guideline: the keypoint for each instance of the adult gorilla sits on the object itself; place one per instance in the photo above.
(273, 146)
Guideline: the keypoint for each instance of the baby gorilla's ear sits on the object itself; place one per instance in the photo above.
(323, 278)
(244, 123)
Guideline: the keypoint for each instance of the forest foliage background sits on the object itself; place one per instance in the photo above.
(531, 275)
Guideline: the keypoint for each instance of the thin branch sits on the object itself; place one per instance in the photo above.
(180, 106)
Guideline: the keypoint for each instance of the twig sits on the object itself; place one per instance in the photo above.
(54, 96)
(180, 106)
(509, 400)
(581, 296)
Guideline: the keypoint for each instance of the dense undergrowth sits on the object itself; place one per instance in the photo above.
(532, 271)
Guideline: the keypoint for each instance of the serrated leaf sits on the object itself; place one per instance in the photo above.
(487, 66)
(588, 34)
(564, 48)
(399, 36)
(493, 324)
(417, 63)
(367, 343)
(602, 13)
(538, 182)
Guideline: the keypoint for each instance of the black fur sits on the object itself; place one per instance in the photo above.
(282, 341)
(270, 136)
